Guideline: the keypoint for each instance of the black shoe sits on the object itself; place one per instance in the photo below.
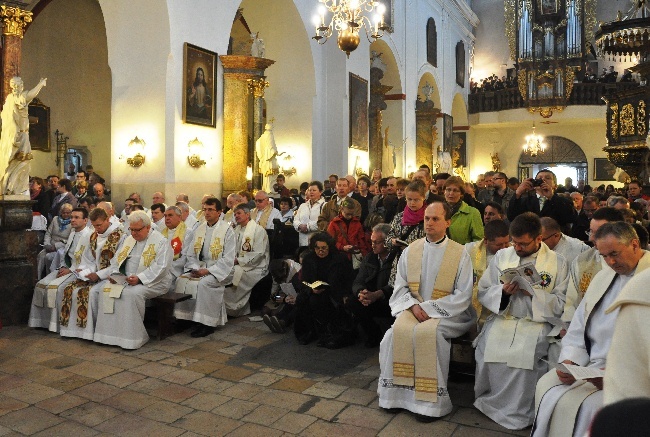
(197, 331)
(392, 410)
(425, 419)
(267, 321)
(203, 332)
(277, 324)
(338, 343)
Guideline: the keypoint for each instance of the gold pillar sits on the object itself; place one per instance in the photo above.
(425, 123)
(14, 21)
(238, 70)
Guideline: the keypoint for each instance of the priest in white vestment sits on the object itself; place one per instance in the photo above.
(587, 264)
(566, 406)
(628, 361)
(143, 261)
(558, 242)
(512, 347)
(190, 221)
(208, 271)
(78, 312)
(232, 200)
(178, 237)
(46, 302)
(251, 262)
(481, 252)
(432, 302)
(264, 213)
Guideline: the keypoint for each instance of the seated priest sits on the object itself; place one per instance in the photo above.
(512, 347)
(558, 242)
(251, 262)
(208, 271)
(190, 221)
(178, 236)
(371, 290)
(565, 406)
(78, 309)
(264, 213)
(232, 200)
(432, 303)
(481, 252)
(55, 238)
(46, 302)
(141, 270)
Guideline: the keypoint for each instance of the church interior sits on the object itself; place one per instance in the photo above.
(214, 97)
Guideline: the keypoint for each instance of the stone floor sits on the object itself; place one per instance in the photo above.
(241, 381)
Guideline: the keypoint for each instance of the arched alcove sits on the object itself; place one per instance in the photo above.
(427, 78)
(459, 111)
(76, 66)
(561, 154)
(289, 98)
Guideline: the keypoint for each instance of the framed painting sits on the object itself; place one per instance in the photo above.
(199, 85)
(39, 126)
(604, 170)
(460, 64)
(459, 149)
(447, 132)
(358, 96)
(549, 7)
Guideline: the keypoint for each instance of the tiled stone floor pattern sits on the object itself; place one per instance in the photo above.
(215, 386)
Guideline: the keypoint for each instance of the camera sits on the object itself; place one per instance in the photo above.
(538, 182)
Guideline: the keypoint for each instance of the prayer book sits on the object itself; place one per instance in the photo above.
(525, 275)
(119, 278)
(579, 372)
(316, 284)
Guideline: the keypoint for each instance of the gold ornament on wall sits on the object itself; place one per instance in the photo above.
(640, 119)
(14, 21)
(614, 120)
(496, 162)
(627, 120)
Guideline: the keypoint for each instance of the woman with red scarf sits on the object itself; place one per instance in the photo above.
(408, 225)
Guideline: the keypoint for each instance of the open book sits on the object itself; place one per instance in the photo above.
(316, 284)
(526, 275)
(579, 372)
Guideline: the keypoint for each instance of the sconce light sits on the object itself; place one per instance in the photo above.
(193, 158)
(137, 145)
(286, 168)
(249, 173)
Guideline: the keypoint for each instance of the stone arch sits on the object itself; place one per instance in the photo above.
(561, 151)
(459, 111)
(430, 78)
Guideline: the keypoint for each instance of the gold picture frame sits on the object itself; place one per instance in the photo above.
(199, 85)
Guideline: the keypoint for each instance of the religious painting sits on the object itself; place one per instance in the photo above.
(358, 96)
(604, 170)
(460, 64)
(447, 132)
(39, 125)
(459, 149)
(199, 85)
(549, 6)
(389, 14)
(432, 42)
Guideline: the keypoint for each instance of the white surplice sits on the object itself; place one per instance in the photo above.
(456, 316)
(89, 264)
(208, 308)
(42, 316)
(507, 394)
(124, 327)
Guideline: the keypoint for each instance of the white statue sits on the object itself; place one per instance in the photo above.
(15, 149)
(444, 162)
(266, 154)
(257, 47)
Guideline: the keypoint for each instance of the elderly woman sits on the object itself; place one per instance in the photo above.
(466, 223)
(319, 310)
(55, 239)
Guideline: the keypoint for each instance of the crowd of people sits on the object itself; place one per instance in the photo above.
(537, 273)
(493, 83)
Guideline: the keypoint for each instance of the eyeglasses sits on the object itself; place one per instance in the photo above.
(209, 209)
(550, 236)
(260, 200)
(136, 230)
(377, 243)
(517, 244)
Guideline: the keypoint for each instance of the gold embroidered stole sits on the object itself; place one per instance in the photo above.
(415, 342)
(266, 212)
(177, 239)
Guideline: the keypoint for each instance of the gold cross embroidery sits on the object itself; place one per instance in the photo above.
(216, 248)
(149, 255)
(123, 254)
(77, 254)
(198, 245)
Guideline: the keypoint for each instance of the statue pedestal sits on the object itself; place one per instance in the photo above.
(18, 249)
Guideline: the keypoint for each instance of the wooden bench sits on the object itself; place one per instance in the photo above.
(165, 312)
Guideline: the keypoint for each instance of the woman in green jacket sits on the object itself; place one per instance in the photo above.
(466, 223)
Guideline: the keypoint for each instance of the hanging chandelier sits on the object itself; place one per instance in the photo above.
(534, 143)
(348, 16)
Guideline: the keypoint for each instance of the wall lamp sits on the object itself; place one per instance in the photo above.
(136, 145)
(194, 148)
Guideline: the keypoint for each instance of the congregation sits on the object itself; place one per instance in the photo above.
(533, 272)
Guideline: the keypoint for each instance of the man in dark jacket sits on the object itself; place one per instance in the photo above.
(539, 197)
(370, 290)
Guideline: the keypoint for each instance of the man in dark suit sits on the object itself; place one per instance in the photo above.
(541, 199)
(331, 191)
